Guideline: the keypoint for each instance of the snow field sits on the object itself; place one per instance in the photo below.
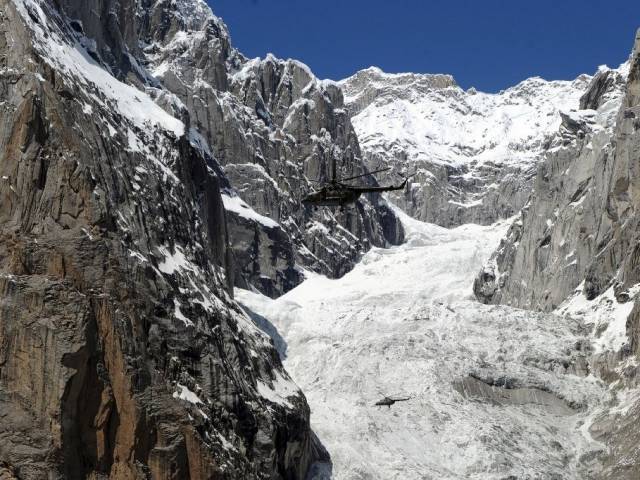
(404, 323)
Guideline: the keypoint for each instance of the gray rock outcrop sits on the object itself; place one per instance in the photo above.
(565, 230)
(270, 123)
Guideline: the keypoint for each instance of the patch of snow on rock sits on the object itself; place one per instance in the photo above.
(233, 203)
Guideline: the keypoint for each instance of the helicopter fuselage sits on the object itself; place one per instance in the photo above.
(388, 401)
(332, 197)
(339, 195)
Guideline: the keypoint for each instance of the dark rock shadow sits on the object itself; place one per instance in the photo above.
(267, 327)
(322, 467)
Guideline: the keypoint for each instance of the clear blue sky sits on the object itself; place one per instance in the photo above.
(489, 44)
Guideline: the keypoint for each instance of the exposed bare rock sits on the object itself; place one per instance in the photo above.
(270, 123)
(273, 126)
(602, 85)
(122, 352)
(503, 393)
(571, 216)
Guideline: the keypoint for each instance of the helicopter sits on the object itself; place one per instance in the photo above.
(335, 193)
(388, 401)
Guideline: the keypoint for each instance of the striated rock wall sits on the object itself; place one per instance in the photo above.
(566, 230)
(122, 352)
(270, 123)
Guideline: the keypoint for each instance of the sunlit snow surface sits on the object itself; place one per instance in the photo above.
(74, 60)
(404, 323)
(454, 127)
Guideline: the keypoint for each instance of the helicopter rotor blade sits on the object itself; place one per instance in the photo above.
(303, 179)
(365, 174)
(406, 178)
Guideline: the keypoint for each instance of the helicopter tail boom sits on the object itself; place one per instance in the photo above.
(380, 189)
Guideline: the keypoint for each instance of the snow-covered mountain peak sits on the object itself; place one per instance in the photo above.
(374, 85)
(194, 14)
(436, 120)
(474, 153)
(271, 124)
(376, 74)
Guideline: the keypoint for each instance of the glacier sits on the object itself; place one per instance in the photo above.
(495, 392)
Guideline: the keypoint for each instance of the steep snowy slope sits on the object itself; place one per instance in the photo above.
(475, 153)
(494, 392)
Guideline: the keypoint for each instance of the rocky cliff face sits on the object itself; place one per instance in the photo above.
(272, 125)
(122, 352)
(474, 154)
(575, 247)
(571, 215)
